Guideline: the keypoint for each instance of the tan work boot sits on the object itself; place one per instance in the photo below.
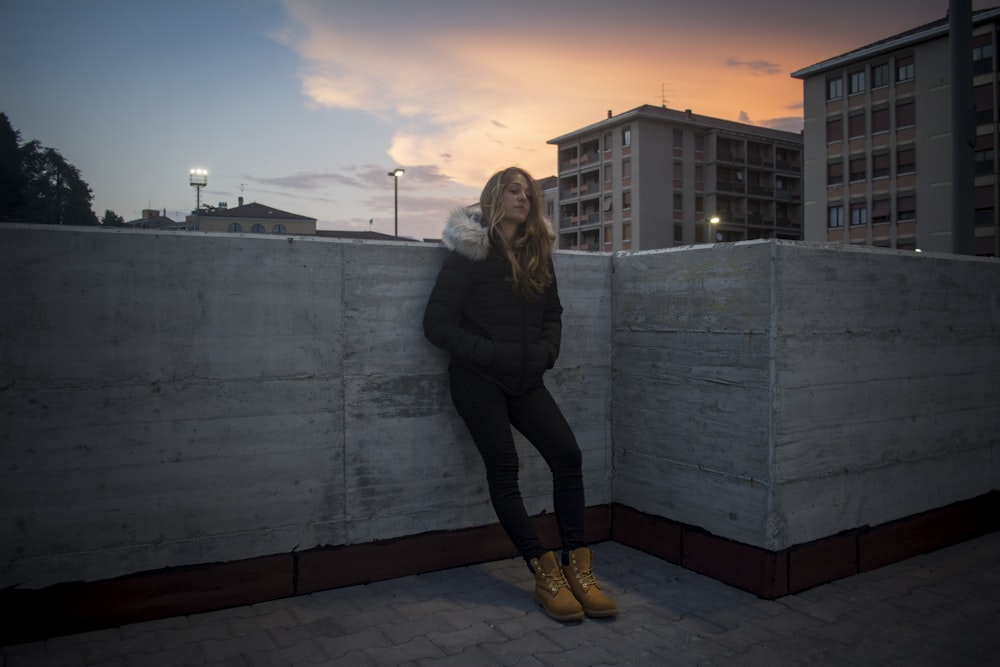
(551, 590)
(585, 587)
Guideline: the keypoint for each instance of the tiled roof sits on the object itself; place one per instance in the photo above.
(255, 210)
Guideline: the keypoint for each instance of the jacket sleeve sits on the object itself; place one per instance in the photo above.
(442, 315)
(552, 322)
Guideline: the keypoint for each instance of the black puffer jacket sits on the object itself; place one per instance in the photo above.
(474, 315)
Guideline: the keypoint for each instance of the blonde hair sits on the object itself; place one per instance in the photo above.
(530, 251)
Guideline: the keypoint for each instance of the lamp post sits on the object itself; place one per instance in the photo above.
(199, 179)
(396, 173)
(714, 220)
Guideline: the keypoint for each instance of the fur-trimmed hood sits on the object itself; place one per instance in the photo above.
(466, 233)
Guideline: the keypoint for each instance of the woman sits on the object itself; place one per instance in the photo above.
(495, 308)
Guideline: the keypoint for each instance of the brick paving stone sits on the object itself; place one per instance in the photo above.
(113, 661)
(373, 617)
(325, 627)
(245, 626)
(352, 642)
(99, 651)
(524, 624)
(353, 659)
(173, 623)
(399, 633)
(471, 656)
(219, 649)
(305, 651)
(171, 638)
(430, 604)
(188, 654)
(490, 614)
(413, 650)
(513, 651)
(457, 641)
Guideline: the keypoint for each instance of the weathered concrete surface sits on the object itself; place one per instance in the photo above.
(180, 398)
(778, 393)
(887, 371)
(173, 399)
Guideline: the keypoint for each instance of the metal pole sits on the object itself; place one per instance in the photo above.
(395, 197)
(963, 128)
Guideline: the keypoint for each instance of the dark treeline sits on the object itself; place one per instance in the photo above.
(38, 185)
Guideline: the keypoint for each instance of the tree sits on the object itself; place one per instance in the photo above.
(11, 176)
(44, 187)
(112, 219)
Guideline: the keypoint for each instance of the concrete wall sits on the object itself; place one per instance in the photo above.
(777, 393)
(181, 398)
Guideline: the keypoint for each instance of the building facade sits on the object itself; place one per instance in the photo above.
(878, 141)
(251, 218)
(654, 177)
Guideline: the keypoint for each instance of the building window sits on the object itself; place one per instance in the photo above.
(983, 99)
(834, 88)
(982, 54)
(678, 201)
(234, 227)
(627, 136)
(983, 204)
(984, 155)
(906, 161)
(834, 130)
(906, 207)
(258, 228)
(626, 169)
(857, 82)
(880, 165)
(859, 171)
(627, 231)
(835, 173)
(859, 214)
(626, 200)
(904, 69)
(699, 142)
(880, 120)
(608, 142)
(880, 75)
(835, 216)
(856, 126)
(679, 139)
(278, 229)
(607, 203)
(905, 114)
(608, 172)
(880, 211)
(678, 234)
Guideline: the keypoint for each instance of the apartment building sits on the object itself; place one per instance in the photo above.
(654, 177)
(878, 149)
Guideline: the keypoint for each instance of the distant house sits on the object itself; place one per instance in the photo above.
(153, 219)
(251, 218)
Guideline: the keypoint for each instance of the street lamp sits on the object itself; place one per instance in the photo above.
(714, 220)
(199, 179)
(396, 173)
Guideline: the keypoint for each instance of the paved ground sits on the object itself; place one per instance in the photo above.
(942, 609)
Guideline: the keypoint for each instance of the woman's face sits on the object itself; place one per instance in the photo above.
(516, 200)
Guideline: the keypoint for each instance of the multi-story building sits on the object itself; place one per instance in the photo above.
(655, 177)
(878, 141)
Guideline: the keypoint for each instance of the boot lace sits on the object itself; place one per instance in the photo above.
(554, 580)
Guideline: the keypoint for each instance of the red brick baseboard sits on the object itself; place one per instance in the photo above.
(82, 606)
(772, 574)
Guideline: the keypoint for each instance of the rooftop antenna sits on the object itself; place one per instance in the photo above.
(663, 95)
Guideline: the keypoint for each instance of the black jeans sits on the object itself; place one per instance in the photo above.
(489, 413)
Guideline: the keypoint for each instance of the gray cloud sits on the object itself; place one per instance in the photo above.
(755, 67)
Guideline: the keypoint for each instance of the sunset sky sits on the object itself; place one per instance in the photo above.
(305, 105)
